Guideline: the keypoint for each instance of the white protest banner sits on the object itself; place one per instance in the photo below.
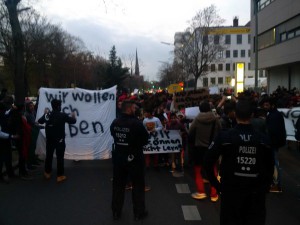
(192, 112)
(95, 110)
(164, 141)
(290, 118)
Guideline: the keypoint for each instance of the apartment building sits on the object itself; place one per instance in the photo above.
(236, 41)
(277, 26)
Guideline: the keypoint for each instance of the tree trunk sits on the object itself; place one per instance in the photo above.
(17, 36)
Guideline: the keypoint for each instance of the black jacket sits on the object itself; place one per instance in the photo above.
(276, 128)
(247, 161)
(55, 124)
(129, 136)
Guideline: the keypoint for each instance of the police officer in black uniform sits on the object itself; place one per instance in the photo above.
(55, 137)
(128, 160)
(246, 170)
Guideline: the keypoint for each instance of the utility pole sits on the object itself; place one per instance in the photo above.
(256, 44)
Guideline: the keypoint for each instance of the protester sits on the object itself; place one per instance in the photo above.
(17, 125)
(277, 133)
(5, 152)
(152, 124)
(55, 137)
(30, 115)
(202, 131)
(175, 124)
(129, 137)
(246, 170)
(228, 116)
(258, 120)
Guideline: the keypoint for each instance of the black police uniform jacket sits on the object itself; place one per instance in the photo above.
(55, 124)
(129, 136)
(247, 161)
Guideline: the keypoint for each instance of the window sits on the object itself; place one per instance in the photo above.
(205, 40)
(213, 80)
(220, 80)
(266, 39)
(233, 66)
(205, 82)
(249, 53)
(227, 66)
(227, 53)
(228, 80)
(205, 68)
(213, 67)
(249, 66)
(216, 39)
(227, 39)
(235, 53)
(220, 67)
(263, 3)
(282, 36)
(261, 73)
(239, 39)
(249, 39)
(291, 35)
(220, 54)
(243, 53)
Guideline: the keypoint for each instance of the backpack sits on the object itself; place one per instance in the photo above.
(297, 130)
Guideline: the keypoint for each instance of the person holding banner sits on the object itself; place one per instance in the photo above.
(55, 137)
(152, 124)
(175, 124)
(129, 137)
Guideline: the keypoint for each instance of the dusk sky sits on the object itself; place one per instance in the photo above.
(135, 24)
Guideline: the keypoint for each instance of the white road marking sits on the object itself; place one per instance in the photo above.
(190, 212)
(183, 188)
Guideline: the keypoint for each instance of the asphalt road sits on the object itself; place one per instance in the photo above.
(84, 199)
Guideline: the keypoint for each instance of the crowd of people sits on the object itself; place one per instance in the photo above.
(245, 166)
(148, 113)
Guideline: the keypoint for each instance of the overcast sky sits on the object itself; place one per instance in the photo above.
(135, 24)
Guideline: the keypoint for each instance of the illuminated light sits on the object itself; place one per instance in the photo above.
(239, 76)
(232, 82)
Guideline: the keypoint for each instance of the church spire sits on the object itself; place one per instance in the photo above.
(137, 68)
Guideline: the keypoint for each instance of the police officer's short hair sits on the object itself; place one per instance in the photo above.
(55, 104)
(243, 109)
(126, 104)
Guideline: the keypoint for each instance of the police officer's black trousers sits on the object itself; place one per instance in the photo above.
(136, 172)
(243, 208)
(59, 147)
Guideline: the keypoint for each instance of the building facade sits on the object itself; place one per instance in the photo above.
(236, 41)
(277, 26)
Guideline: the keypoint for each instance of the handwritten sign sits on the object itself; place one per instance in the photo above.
(290, 118)
(95, 110)
(167, 141)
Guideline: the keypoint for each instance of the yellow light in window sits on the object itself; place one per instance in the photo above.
(240, 73)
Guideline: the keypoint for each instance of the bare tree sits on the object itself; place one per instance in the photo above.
(18, 49)
(199, 49)
(169, 74)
